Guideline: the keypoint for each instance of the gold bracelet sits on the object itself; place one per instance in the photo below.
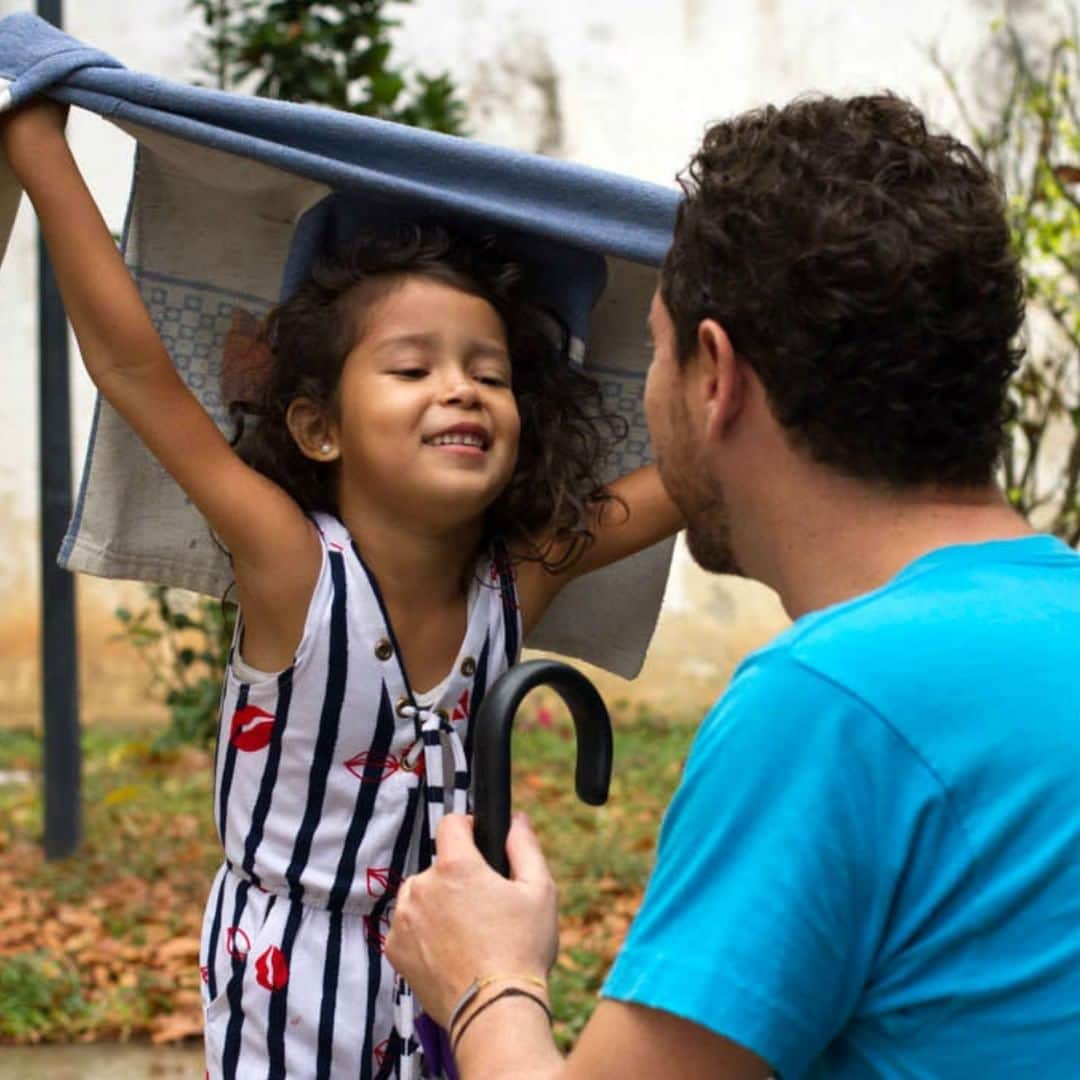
(477, 985)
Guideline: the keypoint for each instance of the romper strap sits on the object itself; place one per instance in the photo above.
(332, 530)
(504, 568)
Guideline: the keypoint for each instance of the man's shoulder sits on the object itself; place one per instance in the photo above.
(952, 587)
(945, 634)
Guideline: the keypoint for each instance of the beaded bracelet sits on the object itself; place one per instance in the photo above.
(510, 991)
(477, 985)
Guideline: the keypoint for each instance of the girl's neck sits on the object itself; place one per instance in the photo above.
(414, 565)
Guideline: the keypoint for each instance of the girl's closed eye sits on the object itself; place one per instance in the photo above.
(410, 371)
(491, 368)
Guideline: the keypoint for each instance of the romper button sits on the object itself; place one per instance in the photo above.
(383, 649)
(402, 705)
(468, 666)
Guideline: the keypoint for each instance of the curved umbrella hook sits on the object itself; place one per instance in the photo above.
(491, 747)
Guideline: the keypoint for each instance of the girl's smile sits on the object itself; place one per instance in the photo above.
(468, 439)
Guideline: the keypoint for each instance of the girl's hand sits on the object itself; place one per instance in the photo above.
(461, 921)
(25, 129)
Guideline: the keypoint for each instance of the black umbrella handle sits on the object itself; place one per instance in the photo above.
(491, 747)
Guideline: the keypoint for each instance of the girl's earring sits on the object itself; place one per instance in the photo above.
(326, 448)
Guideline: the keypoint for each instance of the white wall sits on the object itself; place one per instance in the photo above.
(627, 85)
(638, 80)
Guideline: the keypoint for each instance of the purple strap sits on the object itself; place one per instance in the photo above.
(436, 1044)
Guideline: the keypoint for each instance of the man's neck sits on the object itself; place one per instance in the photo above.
(839, 538)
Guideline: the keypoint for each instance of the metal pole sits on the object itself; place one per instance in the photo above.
(59, 657)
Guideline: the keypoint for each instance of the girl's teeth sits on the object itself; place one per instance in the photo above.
(458, 440)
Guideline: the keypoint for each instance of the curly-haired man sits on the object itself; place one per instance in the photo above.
(872, 865)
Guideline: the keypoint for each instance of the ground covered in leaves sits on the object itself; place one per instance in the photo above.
(104, 945)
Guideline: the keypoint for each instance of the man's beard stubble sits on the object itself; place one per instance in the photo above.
(708, 527)
(708, 538)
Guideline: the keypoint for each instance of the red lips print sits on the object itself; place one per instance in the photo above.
(384, 765)
(271, 970)
(251, 728)
(461, 709)
(375, 930)
(237, 943)
(382, 881)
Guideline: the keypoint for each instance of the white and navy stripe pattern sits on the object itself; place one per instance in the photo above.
(330, 781)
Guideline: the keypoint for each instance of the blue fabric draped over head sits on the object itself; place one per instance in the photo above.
(561, 279)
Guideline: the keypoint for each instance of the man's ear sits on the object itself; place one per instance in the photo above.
(312, 430)
(722, 377)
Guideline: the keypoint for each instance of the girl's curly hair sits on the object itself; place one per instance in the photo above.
(550, 503)
(862, 265)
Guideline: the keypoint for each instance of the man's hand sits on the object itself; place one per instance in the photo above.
(461, 921)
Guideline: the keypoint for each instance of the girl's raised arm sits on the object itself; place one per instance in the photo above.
(639, 515)
(274, 551)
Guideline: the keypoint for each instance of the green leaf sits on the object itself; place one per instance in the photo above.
(385, 87)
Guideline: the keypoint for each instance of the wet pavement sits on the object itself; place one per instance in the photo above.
(102, 1061)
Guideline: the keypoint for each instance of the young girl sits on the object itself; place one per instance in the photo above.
(417, 486)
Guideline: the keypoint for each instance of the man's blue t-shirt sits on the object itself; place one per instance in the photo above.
(872, 865)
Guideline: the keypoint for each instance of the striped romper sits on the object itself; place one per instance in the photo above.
(329, 780)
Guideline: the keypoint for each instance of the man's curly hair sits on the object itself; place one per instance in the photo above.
(862, 266)
(566, 435)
